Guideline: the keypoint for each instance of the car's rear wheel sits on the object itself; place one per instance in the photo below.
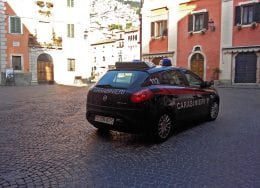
(163, 127)
(213, 111)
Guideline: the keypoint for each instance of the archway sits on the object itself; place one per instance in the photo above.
(45, 69)
(197, 64)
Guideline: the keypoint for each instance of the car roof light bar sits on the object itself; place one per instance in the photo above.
(137, 65)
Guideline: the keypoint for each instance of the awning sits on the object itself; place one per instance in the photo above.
(159, 14)
(154, 55)
(239, 49)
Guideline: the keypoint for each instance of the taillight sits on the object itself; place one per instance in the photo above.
(141, 96)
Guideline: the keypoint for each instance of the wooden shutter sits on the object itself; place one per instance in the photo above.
(206, 20)
(257, 12)
(190, 23)
(237, 15)
(152, 29)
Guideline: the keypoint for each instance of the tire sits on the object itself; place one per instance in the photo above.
(163, 127)
(213, 111)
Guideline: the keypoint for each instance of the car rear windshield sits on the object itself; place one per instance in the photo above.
(122, 79)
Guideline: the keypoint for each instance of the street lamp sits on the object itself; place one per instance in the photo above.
(140, 18)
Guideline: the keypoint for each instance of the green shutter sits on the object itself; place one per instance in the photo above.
(15, 25)
(18, 24)
(12, 25)
(72, 3)
(68, 30)
(72, 30)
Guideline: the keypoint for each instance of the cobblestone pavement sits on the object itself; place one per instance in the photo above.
(45, 141)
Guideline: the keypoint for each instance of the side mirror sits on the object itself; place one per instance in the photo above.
(206, 84)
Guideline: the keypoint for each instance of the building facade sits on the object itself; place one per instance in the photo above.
(219, 40)
(240, 42)
(121, 46)
(2, 40)
(46, 41)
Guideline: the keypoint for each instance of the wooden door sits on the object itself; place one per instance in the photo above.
(197, 65)
(45, 72)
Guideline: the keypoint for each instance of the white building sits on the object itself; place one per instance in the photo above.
(50, 44)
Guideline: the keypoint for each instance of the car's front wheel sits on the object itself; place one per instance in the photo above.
(163, 127)
(213, 111)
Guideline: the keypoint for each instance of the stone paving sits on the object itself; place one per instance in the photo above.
(45, 141)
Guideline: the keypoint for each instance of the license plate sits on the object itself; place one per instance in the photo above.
(103, 119)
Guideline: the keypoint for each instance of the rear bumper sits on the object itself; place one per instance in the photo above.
(125, 120)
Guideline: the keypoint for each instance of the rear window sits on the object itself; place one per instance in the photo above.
(122, 79)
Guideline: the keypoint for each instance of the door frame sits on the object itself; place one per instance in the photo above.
(205, 62)
(47, 58)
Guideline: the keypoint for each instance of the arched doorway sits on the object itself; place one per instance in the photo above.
(45, 69)
(245, 68)
(197, 64)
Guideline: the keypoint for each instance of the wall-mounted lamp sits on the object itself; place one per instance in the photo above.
(86, 34)
(211, 25)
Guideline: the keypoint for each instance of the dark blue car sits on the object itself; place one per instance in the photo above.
(140, 97)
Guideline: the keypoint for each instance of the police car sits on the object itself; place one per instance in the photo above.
(140, 97)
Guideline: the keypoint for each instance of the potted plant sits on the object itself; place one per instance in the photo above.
(216, 72)
(40, 3)
(253, 25)
(239, 26)
(203, 31)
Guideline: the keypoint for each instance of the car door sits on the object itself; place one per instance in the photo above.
(200, 96)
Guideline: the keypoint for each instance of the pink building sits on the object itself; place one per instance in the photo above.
(219, 40)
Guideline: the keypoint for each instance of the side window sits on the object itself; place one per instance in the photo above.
(193, 79)
(177, 78)
(169, 78)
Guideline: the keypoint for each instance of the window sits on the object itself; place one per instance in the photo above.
(17, 62)
(15, 25)
(198, 21)
(70, 30)
(159, 28)
(193, 79)
(70, 3)
(246, 14)
(122, 79)
(71, 65)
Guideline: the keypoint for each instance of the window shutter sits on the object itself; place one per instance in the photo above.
(257, 12)
(12, 25)
(18, 25)
(237, 15)
(190, 23)
(72, 3)
(206, 20)
(152, 29)
(72, 30)
(68, 30)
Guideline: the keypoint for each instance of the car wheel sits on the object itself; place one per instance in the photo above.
(163, 127)
(213, 111)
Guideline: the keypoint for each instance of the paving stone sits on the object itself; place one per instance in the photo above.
(45, 141)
